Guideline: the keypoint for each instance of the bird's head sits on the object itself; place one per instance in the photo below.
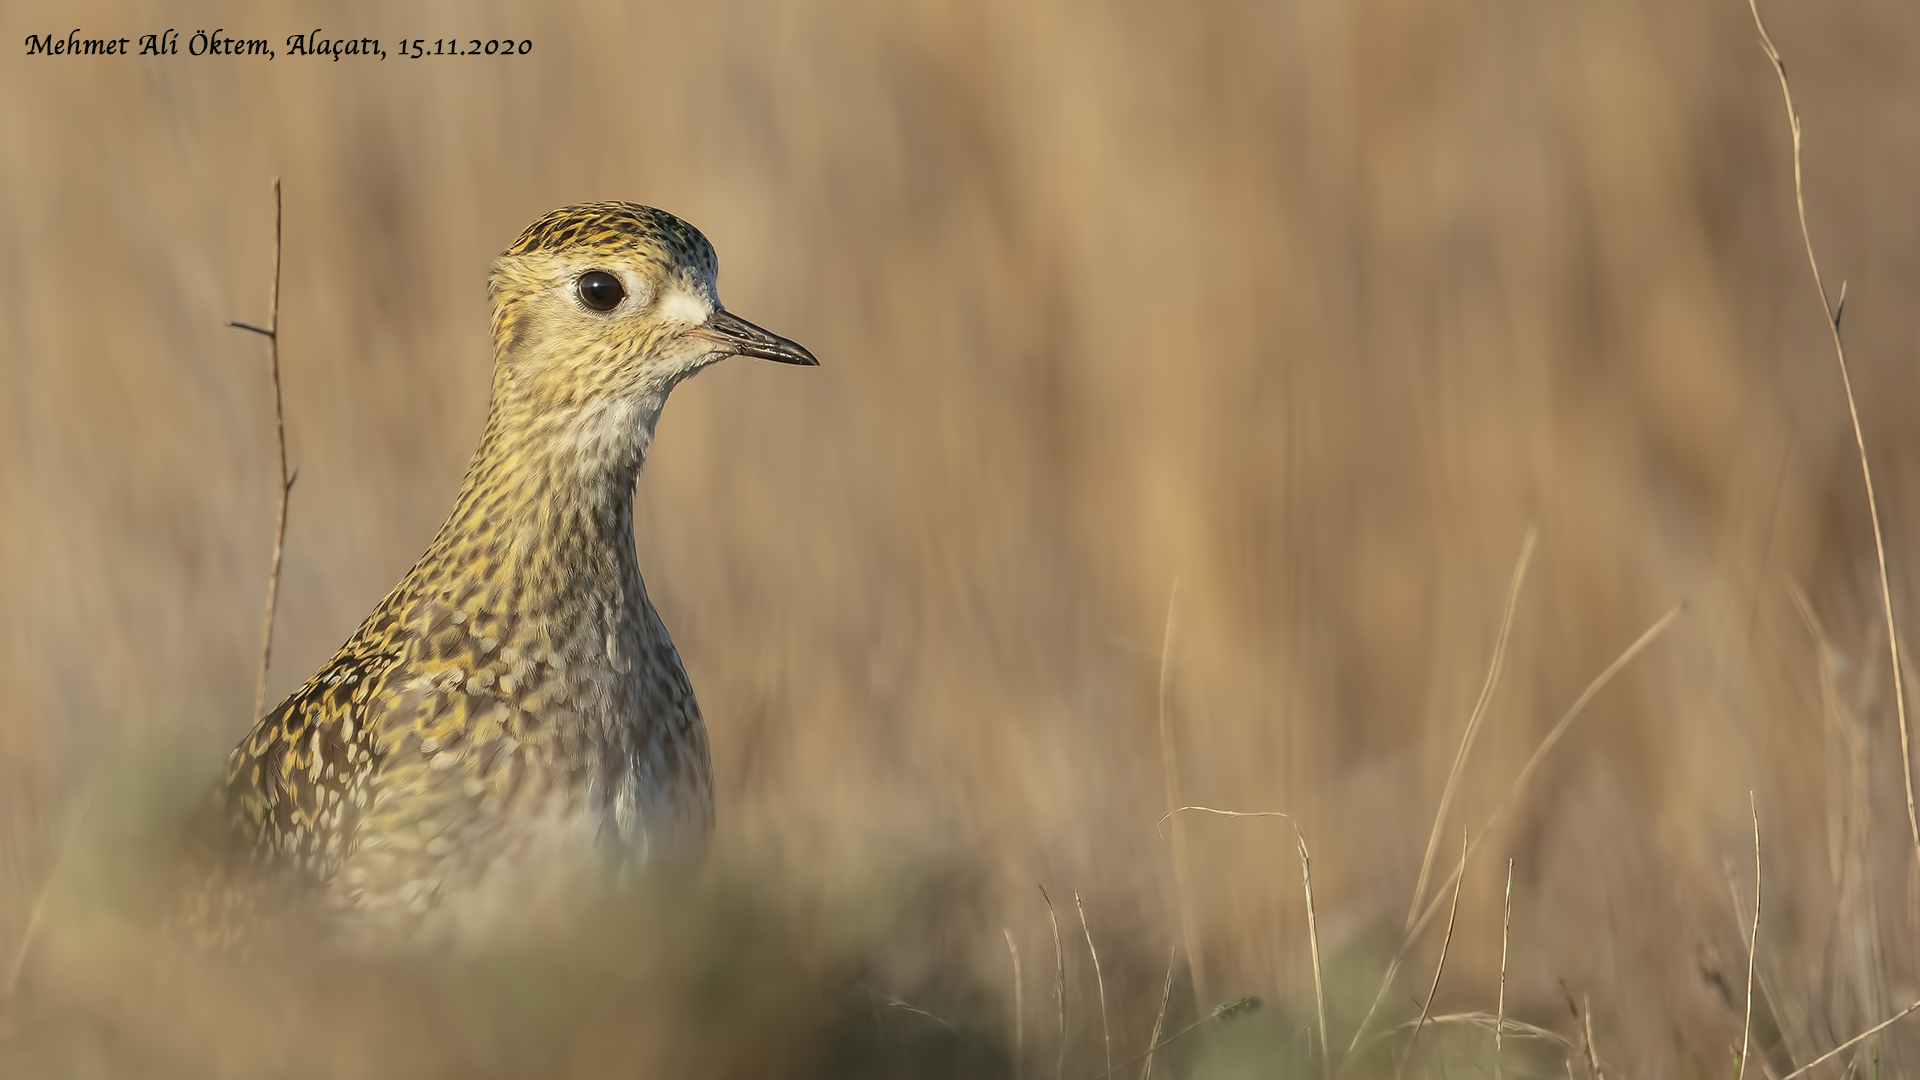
(600, 308)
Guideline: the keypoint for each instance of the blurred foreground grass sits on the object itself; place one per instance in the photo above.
(751, 968)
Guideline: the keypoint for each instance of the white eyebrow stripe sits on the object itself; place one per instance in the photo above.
(681, 306)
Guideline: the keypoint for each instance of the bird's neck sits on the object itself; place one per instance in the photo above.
(543, 526)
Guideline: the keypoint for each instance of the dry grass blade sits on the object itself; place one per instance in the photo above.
(1519, 1028)
(1380, 995)
(1222, 813)
(1019, 1006)
(1753, 941)
(1583, 1029)
(908, 1007)
(1170, 772)
(1223, 1013)
(1426, 1007)
(1100, 980)
(1832, 314)
(39, 909)
(1313, 929)
(1313, 944)
(1586, 1038)
(1160, 1021)
(1313, 932)
(272, 333)
(1474, 720)
(1500, 1016)
(1850, 829)
(1851, 1043)
(1763, 993)
(1579, 705)
(1059, 986)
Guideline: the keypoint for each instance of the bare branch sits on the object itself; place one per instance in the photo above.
(272, 333)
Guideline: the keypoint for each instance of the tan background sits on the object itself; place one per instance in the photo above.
(1312, 307)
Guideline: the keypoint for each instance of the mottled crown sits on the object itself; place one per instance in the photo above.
(619, 228)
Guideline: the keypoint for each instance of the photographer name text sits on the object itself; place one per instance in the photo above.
(317, 44)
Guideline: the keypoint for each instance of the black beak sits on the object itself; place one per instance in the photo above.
(741, 338)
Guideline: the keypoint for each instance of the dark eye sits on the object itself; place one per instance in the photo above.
(601, 291)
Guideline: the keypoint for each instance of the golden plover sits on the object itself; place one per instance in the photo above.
(512, 720)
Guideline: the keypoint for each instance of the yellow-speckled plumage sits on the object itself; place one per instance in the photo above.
(512, 718)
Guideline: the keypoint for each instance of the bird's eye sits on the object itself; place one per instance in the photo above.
(601, 291)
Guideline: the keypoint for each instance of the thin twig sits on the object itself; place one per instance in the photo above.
(1832, 313)
(1059, 985)
(1019, 1012)
(1160, 1021)
(1500, 1017)
(1753, 941)
(1474, 721)
(1099, 980)
(1170, 771)
(1313, 943)
(1426, 1007)
(272, 333)
(1850, 1043)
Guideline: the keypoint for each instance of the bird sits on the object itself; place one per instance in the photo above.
(512, 722)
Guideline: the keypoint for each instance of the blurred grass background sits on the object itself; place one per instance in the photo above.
(1313, 308)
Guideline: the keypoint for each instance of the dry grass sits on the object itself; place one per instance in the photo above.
(1312, 307)
(1753, 946)
(1440, 966)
